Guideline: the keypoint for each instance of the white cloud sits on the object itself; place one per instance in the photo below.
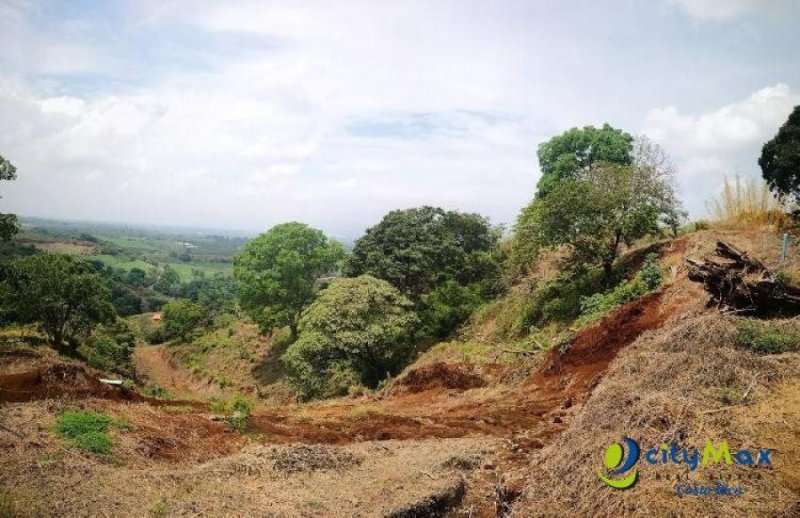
(726, 141)
(724, 10)
(247, 113)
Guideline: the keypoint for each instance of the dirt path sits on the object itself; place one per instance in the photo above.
(154, 363)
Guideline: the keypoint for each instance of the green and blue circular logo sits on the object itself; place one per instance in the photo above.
(618, 463)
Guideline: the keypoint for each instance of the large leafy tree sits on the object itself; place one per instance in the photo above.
(181, 317)
(596, 212)
(418, 249)
(355, 332)
(580, 150)
(780, 158)
(63, 295)
(277, 272)
(8, 222)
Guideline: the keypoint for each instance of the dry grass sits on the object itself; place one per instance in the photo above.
(671, 385)
(362, 479)
(748, 204)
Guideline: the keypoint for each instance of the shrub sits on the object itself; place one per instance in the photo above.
(181, 317)
(236, 409)
(362, 325)
(447, 307)
(156, 391)
(648, 279)
(768, 337)
(111, 348)
(156, 336)
(650, 273)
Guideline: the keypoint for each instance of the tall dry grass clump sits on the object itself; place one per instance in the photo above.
(748, 204)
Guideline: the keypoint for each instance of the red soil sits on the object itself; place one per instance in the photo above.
(428, 402)
(433, 409)
(59, 380)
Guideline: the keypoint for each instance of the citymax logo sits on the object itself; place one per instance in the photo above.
(620, 459)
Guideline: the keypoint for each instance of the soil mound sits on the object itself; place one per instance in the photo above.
(59, 380)
(582, 363)
(440, 375)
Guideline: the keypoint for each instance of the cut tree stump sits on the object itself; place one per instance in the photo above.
(741, 283)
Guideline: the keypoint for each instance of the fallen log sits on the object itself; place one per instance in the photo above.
(741, 283)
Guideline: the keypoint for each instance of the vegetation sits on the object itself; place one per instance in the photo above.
(446, 262)
(446, 307)
(748, 204)
(579, 151)
(8, 222)
(88, 430)
(64, 296)
(597, 305)
(356, 332)
(236, 410)
(768, 337)
(418, 249)
(595, 211)
(278, 270)
(110, 348)
(181, 317)
(780, 158)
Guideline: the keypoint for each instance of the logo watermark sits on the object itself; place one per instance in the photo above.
(621, 459)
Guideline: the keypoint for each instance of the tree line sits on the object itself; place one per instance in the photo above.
(413, 278)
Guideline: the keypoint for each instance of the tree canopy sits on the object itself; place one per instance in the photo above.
(277, 272)
(8, 222)
(63, 295)
(579, 150)
(780, 158)
(181, 317)
(417, 249)
(597, 211)
(356, 332)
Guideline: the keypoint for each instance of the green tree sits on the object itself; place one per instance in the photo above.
(8, 222)
(181, 317)
(446, 307)
(580, 150)
(357, 330)
(112, 349)
(168, 282)
(63, 295)
(595, 213)
(417, 249)
(780, 158)
(277, 272)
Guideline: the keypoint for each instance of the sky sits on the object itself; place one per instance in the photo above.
(244, 114)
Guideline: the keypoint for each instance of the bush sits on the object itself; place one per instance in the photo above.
(108, 355)
(768, 337)
(237, 409)
(447, 307)
(357, 329)
(650, 273)
(648, 279)
(156, 336)
(111, 348)
(182, 317)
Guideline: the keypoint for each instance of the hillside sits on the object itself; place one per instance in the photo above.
(470, 429)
